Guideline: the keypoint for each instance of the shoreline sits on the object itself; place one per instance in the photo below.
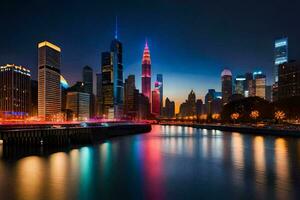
(241, 129)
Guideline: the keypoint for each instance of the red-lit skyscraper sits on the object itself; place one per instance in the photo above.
(146, 72)
(156, 102)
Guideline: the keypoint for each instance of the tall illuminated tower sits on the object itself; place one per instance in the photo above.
(117, 63)
(280, 54)
(49, 90)
(226, 78)
(146, 72)
(112, 79)
(159, 84)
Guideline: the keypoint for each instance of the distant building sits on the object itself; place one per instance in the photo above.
(188, 108)
(87, 79)
(146, 72)
(249, 85)
(289, 80)
(34, 98)
(212, 102)
(226, 77)
(107, 82)
(169, 109)
(49, 90)
(99, 103)
(14, 91)
(130, 97)
(260, 84)
(280, 55)
(78, 103)
(143, 107)
(269, 93)
(240, 82)
(155, 102)
(159, 85)
(199, 107)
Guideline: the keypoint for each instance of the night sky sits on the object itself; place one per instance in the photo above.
(190, 41)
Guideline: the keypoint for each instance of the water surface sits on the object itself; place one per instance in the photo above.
(168, 163)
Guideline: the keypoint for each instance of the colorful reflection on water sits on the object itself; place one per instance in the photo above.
(171, 162)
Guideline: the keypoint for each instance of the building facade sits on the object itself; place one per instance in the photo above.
(226, 78)
(159, 84)
(78, 104)
(146, 73)
(155, 102)
(240, 82)
(116, 49)
(49, 90)
(289, 80)
(87, 79)
(260, 86)
(15, 91)
(107, 82)
(130, 97)
(99, 104)
(280, 55)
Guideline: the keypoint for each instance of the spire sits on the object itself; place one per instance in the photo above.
(146, 54)
(116, 28)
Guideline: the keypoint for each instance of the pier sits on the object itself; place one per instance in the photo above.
(68, 134)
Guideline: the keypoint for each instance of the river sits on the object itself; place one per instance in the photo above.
(170, 162)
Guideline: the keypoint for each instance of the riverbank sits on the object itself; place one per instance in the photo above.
(242, 129)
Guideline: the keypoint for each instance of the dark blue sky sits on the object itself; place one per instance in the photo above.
(191, 41)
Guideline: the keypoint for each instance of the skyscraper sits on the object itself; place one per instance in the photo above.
(280, 54)
(226, 78)
(14, 91)
(155, 102)
(117, 64)
(49, 90)
(34, 98)
(99, 108)
(260, 84)
(78, 103)
(107, 82)
(240, 82)
(146, 72)
(159, 85)
(130, 97)
(169, 109)
(87, 79)
(289, 80)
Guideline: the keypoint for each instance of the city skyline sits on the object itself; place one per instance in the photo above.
(204, 45)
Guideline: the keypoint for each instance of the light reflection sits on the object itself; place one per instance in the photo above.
(58, 164)
(237, 151)
(30, 178)
(74, 168)
(282, 168)
(259, 163)
(86, 171)
(105, 150)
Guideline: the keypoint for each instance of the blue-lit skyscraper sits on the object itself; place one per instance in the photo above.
(281, 55)
(159, 82)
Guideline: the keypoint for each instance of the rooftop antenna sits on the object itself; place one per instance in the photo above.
(116, 30)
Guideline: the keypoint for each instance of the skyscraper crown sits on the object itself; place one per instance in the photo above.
(146, 55)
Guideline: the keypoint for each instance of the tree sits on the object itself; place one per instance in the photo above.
(279, 115)
(234, 116)
(254, 115)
